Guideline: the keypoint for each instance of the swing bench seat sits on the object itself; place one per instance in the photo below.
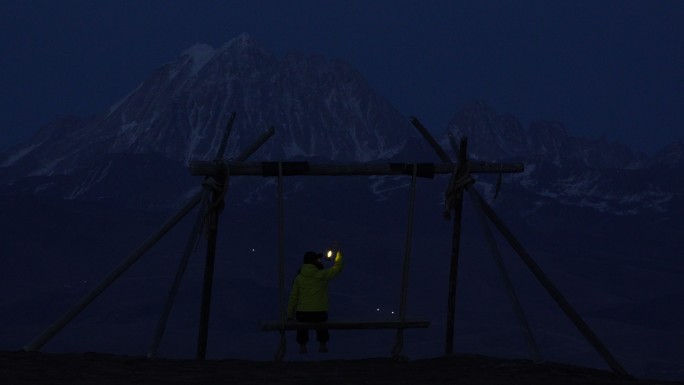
(344, 325)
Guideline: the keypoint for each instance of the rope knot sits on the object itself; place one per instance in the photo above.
(460, 179)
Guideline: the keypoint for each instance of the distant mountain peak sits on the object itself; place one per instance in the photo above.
(320, 108)
(490, 136)
(244, 45)
(671, 156)
(199, 55)
(242, 40)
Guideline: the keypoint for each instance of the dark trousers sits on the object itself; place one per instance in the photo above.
(322, 335)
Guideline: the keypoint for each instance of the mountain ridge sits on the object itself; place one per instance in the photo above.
(598, 215)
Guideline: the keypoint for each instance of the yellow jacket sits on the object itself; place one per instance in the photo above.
(310, 288)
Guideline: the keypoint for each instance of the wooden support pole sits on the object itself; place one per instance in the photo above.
(226, 134)
(215, 207)
(55, 328)
(209, 263)
(508, 284)
(399, 344)
(454, 199)
(182, 265)
(219, 177)
(431, 141)
(453, 276)
(425, 170)
(345, 325)
(562, 302)
(457, 206)
(216, 168)
(252, 148)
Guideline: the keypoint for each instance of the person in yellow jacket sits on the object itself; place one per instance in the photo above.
(309, 296)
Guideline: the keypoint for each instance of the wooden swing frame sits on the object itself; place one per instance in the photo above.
(211, 201)
(399, 324)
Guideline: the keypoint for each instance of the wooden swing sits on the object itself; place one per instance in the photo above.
(210, 200)
(216, 174)
(283, 324)
(281, 169)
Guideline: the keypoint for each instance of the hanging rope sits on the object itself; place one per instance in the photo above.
(399, 345)
(218, 187)
(217, 184)
(281, 266)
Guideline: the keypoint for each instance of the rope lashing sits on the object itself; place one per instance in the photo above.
(460, 178)
(219, 188)
(218, 185)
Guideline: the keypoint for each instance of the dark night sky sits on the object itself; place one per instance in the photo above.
(600, 67)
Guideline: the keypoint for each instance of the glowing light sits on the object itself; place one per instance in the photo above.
(378, 309)
(252, 250)
(332, 251)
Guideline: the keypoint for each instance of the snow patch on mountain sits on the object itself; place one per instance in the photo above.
(121, 101)
(199, 54)
(264, 192)
(127, 126)
(292, 149)
(657, 200)
(589, 173)
(48, 168)
(18, 154)
(382, 185)
(671, 156)
(579, 184)
(320, 109)
(94, 178)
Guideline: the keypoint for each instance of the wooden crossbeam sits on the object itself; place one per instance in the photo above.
(344, 325)
(349, 169)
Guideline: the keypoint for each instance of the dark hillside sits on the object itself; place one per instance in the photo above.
(104, 369)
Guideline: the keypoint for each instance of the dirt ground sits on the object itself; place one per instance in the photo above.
(18, 368)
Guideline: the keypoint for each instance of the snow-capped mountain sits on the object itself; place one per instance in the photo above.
(318, 107)
(670, 157)
(494, 137)
(606, 176)
(601, 216)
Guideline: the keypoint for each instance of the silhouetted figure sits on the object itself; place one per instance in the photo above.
(309, 296)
